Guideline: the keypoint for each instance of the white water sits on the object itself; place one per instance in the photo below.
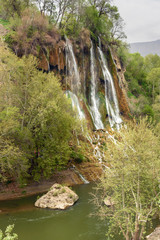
(75, 104)
(80, 175)
(96, 116)
(72, 68)
(110, 94)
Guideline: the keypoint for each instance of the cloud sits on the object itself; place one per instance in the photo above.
(142, 19)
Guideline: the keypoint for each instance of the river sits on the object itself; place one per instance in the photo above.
(75, 223)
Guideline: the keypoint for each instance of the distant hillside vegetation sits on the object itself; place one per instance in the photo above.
(145, 48)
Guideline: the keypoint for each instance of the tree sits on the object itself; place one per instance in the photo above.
(13, 160)
(36, 119)
(8, 234)
(11, 8)
(153, 79)
(151, 61)
(131, 181)
(156, 109)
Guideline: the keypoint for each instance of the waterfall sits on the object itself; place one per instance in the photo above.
(80, 175)
(72, 68)
(75, 104)
(94, 101)
(110, 94)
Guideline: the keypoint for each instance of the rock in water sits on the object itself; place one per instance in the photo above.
(59, 197)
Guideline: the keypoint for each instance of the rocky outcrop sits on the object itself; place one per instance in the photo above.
(57, 57)
(154, 235)
(43, 62)
(59, 197)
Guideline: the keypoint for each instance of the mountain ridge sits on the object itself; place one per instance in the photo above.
(145, 48)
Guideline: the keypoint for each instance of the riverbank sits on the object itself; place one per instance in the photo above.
(69, 177)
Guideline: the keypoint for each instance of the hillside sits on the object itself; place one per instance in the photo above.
(145, 48)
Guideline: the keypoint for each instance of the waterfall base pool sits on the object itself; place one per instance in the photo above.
(75, 223)
(38, 224)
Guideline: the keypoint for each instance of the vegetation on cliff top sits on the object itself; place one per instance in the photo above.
(69, 17)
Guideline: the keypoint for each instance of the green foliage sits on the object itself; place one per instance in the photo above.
(153, 79)
(70, 26)
(151, 61)
(134, 87)
(156, 109)
(131, 181)
(36, 120)
(8, 235)
(147, 110)
(70, 16)
(78, 157)
(11, 8)
(143, 76)
(13, 160)
(123, 54)
(4, 22)
(98, 25)
(136, 69)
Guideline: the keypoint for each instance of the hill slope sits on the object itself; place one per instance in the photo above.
(145, 48)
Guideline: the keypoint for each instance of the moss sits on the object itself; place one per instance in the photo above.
(63, 190)
(55, 194)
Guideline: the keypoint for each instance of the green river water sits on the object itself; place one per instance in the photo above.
(74, 223)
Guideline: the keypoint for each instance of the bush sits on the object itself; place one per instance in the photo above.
(8, 235)
(147, 110)
(77, 157)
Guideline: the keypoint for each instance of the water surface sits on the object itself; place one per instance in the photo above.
(74, 223)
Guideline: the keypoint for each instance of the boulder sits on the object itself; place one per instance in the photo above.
(59, 197)
(155, 235)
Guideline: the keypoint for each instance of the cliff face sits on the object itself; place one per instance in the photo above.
(119, 81)
(57, 59)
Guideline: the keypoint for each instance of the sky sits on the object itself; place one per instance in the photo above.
(142, 19)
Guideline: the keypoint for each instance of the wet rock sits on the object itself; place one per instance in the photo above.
(59, 197)
(154, 235)
(43, 62)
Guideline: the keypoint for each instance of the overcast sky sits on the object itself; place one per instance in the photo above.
(142, 19)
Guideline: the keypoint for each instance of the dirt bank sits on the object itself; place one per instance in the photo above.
(69, 177)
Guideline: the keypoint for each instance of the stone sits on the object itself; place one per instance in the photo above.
(155, 235)
(59, 197)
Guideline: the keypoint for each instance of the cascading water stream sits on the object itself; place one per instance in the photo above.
(72, 68)
(96, 116)
(75, 104)
(80, 175)
(110, 94)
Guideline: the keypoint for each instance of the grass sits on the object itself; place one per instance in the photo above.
(5, 23)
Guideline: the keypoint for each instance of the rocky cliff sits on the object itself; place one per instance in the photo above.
(57, 58)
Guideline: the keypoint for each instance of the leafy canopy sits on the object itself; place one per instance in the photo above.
(36, 120)
(131, 180)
